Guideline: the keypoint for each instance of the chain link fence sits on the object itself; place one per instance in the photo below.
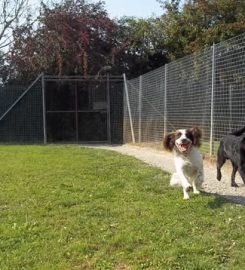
(205, 90)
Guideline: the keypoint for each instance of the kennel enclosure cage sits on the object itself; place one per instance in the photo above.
(67, 109)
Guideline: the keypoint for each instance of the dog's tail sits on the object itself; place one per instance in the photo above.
(238, 132)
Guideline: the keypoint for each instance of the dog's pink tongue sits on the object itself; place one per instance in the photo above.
(184, 147)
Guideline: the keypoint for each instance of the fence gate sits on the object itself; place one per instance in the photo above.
(78, 109)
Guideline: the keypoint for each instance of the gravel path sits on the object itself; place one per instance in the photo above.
(164, 160)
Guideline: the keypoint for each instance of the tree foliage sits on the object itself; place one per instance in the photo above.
(78, 37)
(142, 47)
(71, 38)
(199, 23)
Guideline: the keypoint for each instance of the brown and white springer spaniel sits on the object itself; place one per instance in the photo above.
(184, 144)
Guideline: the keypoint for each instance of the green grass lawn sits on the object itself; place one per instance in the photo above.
(66, 207)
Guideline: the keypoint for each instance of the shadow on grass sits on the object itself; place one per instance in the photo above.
(220, 200)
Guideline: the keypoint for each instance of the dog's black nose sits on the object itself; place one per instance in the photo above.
(185, 141)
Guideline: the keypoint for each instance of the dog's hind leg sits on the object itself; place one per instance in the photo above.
(241, 168)
(233, 174)
(241, 171)
(220, 162)
(197, 182)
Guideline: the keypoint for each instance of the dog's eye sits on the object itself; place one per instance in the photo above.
(178, 134)
(189, 135)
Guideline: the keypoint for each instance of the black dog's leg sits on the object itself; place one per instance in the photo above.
(241, 168)
(233, 174)
(220, 162)
(241, 171)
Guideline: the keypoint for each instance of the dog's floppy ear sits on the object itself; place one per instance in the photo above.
(197, 135)
(169, 141)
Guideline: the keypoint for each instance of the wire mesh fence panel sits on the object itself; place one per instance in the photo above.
(204, 89)
(151, 108)
(68, 109)
(60, 111)
(229, 98)
(8, 95)
(116, 111)
(24, 122)
(189, 93)
(93, 120)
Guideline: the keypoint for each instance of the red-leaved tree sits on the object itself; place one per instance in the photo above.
(70, 38)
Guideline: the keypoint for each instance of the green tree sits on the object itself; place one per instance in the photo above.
(143, 51)
(197, 24)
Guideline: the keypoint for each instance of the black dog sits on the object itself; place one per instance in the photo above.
(232, 147)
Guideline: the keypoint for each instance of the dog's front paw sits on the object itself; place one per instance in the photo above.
(186, 189)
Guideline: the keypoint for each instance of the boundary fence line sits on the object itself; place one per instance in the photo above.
(205, 89)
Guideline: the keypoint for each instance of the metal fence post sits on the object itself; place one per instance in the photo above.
(230, 108)
(165, 101)
(129, 108)
(140, 107)
(211, 151)
(108, 108)
(44, 110)
(76, 111)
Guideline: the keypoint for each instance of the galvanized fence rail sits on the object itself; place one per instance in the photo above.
(205, 89)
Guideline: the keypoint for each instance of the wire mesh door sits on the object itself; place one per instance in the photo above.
(92, 111)
(77, 110)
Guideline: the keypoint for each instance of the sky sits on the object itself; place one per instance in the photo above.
(137, 8)
(119, 8)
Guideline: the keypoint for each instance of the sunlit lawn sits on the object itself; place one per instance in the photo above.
(67, 207)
